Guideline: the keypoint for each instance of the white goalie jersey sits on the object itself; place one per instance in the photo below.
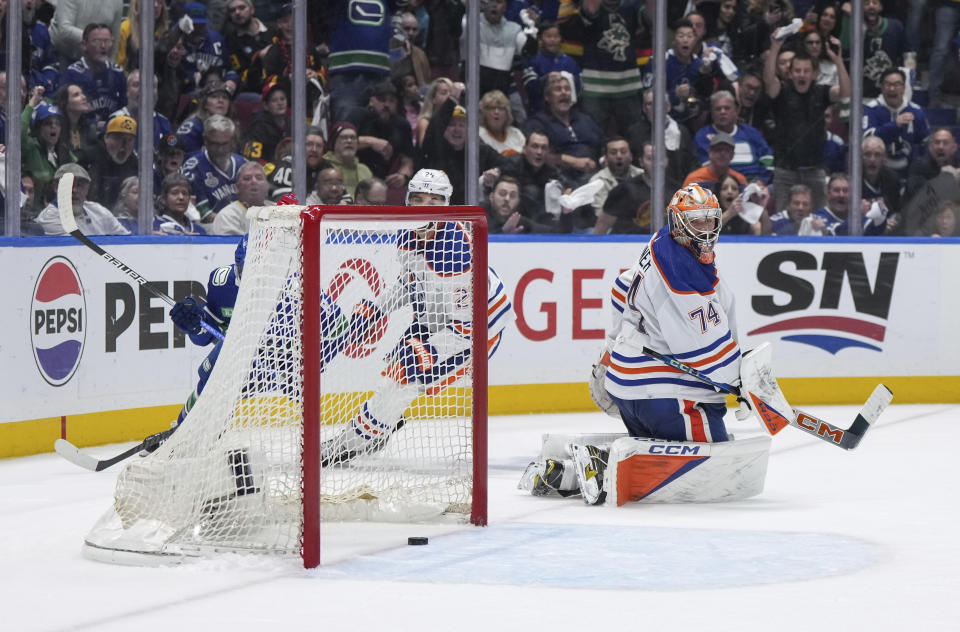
(673, 304)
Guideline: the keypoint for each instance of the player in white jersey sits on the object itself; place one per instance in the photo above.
(434, 351)
(672, 301)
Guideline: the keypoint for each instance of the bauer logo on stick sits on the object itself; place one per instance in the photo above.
(58, 324)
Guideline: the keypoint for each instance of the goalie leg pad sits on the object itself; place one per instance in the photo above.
(658, 471)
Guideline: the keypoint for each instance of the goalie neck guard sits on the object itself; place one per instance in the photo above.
(689, 206)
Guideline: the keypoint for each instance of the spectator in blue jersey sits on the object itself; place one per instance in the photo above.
(113, 160)
(71, 19)
(172, 204)
(880, 182)
(215, 99)
(549, 59)
(359, 53)
(39, 58)
(799, 207)
(834, 215)
(752, 155)
(900, 123)
(572, 133)
(79, 125)
(102, 80)
(244, 34)
(205, 47)
(213, 170)
(161, 124)
(269, 126)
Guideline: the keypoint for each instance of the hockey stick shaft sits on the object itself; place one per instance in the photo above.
(689, 370)
(69, 223)
(73, 454)
(846, 438)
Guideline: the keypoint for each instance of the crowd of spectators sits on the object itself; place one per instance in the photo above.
(757, 109)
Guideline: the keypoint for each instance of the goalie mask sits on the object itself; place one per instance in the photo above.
(433, 182)
(694, 217)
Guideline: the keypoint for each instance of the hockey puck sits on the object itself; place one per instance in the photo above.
(416, 540)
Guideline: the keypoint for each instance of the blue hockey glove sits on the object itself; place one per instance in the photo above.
(187, 316)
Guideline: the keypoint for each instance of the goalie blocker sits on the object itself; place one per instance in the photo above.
(650, 470)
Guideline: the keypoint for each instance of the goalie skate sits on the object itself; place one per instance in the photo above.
(543, 477)
(591, 464)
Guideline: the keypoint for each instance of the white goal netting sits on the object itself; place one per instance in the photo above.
(395, 349)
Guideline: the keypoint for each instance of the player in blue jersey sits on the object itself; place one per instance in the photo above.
(434, 351)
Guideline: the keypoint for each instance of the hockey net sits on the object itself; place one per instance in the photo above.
(242, 473)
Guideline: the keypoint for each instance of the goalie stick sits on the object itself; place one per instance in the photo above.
(73, 454)
(69, 223)
(846, 438)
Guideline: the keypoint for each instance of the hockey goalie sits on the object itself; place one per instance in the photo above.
(677, 448)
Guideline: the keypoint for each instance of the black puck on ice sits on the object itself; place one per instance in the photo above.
(417, 540)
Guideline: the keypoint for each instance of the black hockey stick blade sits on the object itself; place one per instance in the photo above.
(73, 454)
(848, 438)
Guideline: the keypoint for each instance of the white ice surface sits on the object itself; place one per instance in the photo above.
(861, 540)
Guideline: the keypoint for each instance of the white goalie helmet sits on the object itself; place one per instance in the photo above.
(432, 181)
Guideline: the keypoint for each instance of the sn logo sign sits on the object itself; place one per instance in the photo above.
(826, 325)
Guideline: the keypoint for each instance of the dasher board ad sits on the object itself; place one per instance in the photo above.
(80, 336)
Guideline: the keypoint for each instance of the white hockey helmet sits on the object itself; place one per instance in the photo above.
(432, 181)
